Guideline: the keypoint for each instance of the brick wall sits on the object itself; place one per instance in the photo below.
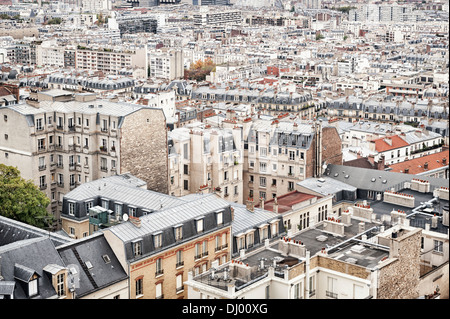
(144, 148)
(331, 146)
(146, 268)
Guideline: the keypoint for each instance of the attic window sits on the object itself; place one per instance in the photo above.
(384, 181)
(89, 264)
(106, 259)
(374, 179)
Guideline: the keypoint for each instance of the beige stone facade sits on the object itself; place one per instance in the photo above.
(207, 160)
(59, 140)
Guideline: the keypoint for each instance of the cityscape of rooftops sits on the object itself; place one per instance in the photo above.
(224, 150)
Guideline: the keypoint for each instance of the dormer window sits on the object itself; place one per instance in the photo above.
(71, 209)
(219, 218)
(137, 248)
(178, 229)
(199, 225)
(33, 287)
(157, 240)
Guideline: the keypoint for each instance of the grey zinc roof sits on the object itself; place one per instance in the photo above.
(326, 185)
(162, 219)
(361, 178)
(123, 190)
(245, 219)
(99, 106)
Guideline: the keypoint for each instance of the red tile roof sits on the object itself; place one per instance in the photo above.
(416, 166)
(285, 202)
(396, 141)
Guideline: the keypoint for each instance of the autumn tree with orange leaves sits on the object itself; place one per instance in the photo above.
(200, 69)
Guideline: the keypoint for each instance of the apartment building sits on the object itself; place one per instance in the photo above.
(157, 238)
(288, 270)
(408, 110)
(206, 160)
(217, 18)
(167, 65)
(48, 53)
(36, 264)
(409, 145)
(270, 101)
(278, 154)
(60, 140)
(110, 61)
(354, 253)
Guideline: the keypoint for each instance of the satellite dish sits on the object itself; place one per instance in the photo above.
(125, 217)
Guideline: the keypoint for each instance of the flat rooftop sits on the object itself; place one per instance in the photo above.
(315, 239)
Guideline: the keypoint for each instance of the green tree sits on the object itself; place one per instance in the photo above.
(21, 200)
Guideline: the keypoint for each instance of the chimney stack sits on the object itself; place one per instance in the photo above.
(250, 204)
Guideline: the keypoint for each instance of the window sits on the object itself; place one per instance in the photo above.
(132, 211)
(178, 233)
(137, 247)
(60, 285)
(185, 151)
(139, 287)
(198, 251)
(157, 240)
(159, 269)
(312, 285)
(159, 294)
(291, 155)
(274, 167)
(291, 170)
(219, 218)
(290, 186)
(186, 184)
(438, 246)
(298, 292)
(262, 195)
(179, 256)
(33, 287)
(118, 210)
(103, 164)
(263, 151)
(179, 283)
(199, 225)
(41, 144)
(42, 183)
(88, 205)
(71, 209)
(262, 167)
(39, 126)
(331, 288)
(217, 243)
(262, 181)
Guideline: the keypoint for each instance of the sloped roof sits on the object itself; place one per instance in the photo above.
(417, 165)
(381, 145)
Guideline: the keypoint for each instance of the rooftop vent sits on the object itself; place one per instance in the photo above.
(321, 238)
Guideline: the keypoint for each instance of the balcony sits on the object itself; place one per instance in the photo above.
(179, 264)
(159, 272)
(43, 186)
(332, 295)
(42, 167)
(180, 289)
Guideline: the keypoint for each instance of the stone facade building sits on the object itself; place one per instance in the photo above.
(278, 154)
(60, 140)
